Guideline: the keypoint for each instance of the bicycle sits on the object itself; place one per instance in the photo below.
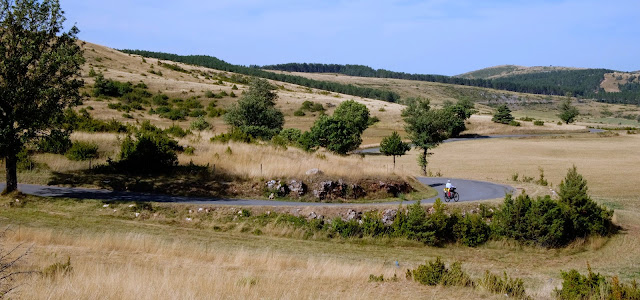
(452, 194)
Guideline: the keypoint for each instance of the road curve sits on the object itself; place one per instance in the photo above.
(470, 190)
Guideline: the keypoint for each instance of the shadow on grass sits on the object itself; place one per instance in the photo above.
(188, 181)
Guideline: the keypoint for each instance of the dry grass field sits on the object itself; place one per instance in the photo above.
(117, 256)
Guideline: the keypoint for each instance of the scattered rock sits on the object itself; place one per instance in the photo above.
(395, 188)
(388, 216)
(189, 219)
(272, 196)
(431, 210)
(314, 171)
(277, 187)
(313, 215)
(356, 191)
(106, 205)
(137, 214)
(131, 205)
(353, 215)
(200, 209)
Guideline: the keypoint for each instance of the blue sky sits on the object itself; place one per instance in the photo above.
(426, 37)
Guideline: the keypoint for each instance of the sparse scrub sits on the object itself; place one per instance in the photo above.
(538, 123)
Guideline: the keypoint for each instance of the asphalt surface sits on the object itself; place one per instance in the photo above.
(469, 190)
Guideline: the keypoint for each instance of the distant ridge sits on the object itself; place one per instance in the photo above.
(510, 70)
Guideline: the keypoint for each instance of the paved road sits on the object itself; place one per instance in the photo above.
(470, 190)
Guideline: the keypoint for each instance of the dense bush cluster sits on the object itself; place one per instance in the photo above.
(150, 149)
(83, 121)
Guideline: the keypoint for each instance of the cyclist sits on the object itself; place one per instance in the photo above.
(448, 187)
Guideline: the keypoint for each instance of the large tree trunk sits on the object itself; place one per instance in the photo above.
(12, 176)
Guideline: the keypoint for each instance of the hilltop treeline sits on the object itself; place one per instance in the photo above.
(215, 63)
(580, 83)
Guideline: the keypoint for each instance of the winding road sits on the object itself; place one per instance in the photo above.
(470, 190)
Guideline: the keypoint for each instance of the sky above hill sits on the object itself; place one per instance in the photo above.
(426, 37)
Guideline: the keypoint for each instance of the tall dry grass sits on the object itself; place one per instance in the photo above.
(134, 266)
(250, 160)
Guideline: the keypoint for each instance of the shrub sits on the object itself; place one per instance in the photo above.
(514, 123)
(435, 272)
(57, 142)
(527, 119)
(234, 135)
(82, 151)
(200, 124)
(513, 287)
(189, 150)
(197, 113)
(160, 100)
(176, 131)
(299, 113)
(209, 94)
(472, 230)
(578, 286)
(112, 88)
(291, 135)
(373, 120)
(148, 151)
(538, 123)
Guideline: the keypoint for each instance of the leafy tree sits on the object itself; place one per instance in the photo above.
(150, 150)
(39, 71)
(354, 113)
(568, 112)
(502, 115)
(335, 134)
(457, 114)
(393, 145)
(341, 132)
(427, 127)
(255, 113)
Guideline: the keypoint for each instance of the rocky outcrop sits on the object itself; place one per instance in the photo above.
(388, 216)
(297, 187)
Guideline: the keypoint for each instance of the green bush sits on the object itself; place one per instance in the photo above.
(514, 123)
(176, 131)
(527, 119)
(513, 287)
(209, 94)
(538, 123)
(578, 286)
(197, 113)
(82, 151)
(346, 229)
(160, 100)
(150, 150)
(200, 124)
(472, 230)
(430, 273)
(111, 88)
(373, 120)
(299, 113)
(57, 142)
(234, 135)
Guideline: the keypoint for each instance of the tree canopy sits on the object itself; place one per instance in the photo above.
(502, 115)
(426, 127)
(255, 113)
(39, 74)
(394, 146)
(568, 112)
(341, 132)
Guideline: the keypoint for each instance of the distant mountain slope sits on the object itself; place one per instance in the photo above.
(559, 81)
(509, 70)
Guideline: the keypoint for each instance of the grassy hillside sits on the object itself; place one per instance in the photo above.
(508, 70)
